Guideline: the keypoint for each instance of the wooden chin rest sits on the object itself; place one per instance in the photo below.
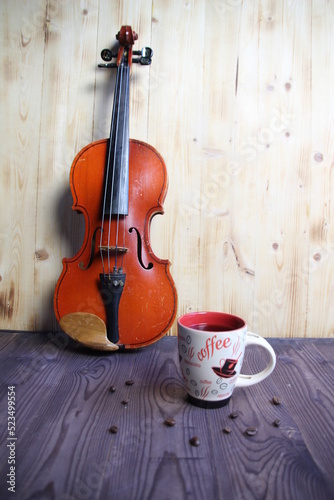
(87, 329)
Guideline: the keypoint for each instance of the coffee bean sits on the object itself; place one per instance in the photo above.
(227, 430)
(129, 382)
(125, 401)
(277, 422)
(170, 422)
(276, 400)
(251, 431)
(234, 414)
(113, 429)
(112, 388)
(194, 441)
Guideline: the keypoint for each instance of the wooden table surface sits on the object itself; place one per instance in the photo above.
(64, 410)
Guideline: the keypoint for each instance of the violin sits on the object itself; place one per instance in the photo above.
(115, 292)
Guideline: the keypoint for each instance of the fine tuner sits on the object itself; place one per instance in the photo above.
(145, 58)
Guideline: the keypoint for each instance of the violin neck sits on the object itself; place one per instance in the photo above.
(117, 172)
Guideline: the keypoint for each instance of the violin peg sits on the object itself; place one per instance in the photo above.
(146, 54)
(87, 329)
(106, 55)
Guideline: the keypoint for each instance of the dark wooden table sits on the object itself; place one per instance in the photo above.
(64, 410)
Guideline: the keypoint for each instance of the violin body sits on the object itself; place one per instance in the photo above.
(147, 307)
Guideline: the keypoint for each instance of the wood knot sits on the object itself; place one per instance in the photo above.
(41, 254)
(318, 157)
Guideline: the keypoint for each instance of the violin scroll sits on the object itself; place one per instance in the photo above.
(126, 36)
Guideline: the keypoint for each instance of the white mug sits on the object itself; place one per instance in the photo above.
(211, 351)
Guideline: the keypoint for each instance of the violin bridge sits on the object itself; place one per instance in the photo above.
(113, 249)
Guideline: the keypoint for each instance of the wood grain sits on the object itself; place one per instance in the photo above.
(321, 210)
(238, 103)
(65, 409)
(22, 81)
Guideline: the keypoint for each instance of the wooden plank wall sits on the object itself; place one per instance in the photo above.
(239, 102)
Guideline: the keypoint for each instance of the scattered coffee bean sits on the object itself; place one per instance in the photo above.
(170, 422)
(277, 422)
(112, 388)
(276, 400)
(113, 429)
(251, 431)
(227, 430)
(234, 414)
(125, 401)
(194, 441)
(129, 382)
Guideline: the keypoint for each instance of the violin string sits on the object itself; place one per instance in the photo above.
(124, 160)
(128, 155)
(112, 126)
(118, 199)
(114, 165)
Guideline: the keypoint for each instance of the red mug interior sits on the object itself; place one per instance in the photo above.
(212, 321)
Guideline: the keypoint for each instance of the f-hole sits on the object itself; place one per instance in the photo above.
(92, 252)
(139, 249)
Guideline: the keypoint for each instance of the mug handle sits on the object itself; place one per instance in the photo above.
(247, 380)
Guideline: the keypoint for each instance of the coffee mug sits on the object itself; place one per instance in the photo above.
(211, 351)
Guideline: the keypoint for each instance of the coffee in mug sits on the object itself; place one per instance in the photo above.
(211, 351)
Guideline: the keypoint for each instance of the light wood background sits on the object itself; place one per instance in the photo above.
(239, 101)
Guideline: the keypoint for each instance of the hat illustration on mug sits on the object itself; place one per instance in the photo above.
(227, 370)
